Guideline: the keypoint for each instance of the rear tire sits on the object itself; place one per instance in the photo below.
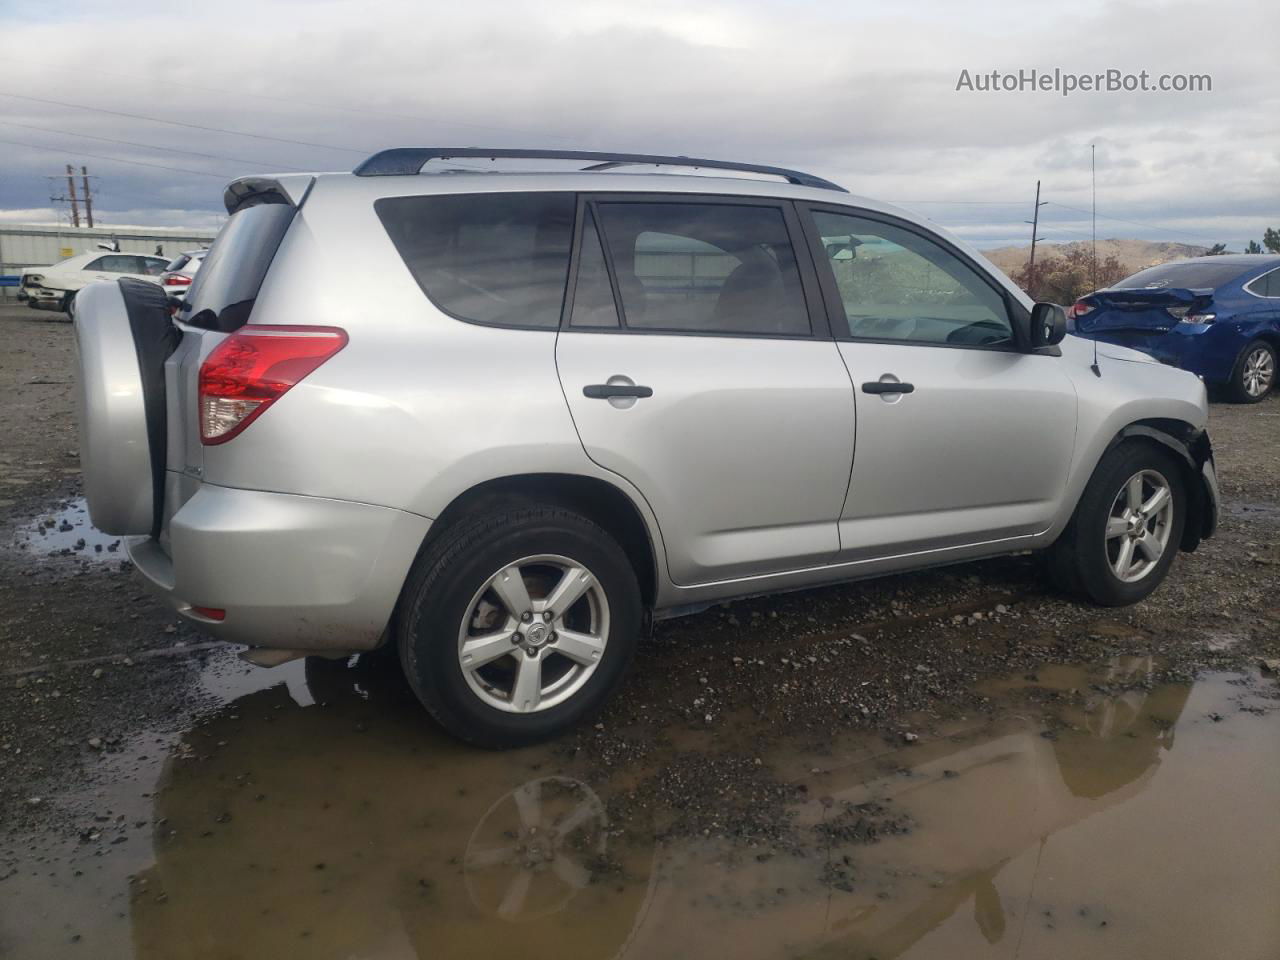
(1254, 375)
(1107, 536)
(531, 677)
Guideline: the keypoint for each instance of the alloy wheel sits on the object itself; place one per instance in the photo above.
(1259, 372)
(1139, 525)
(533, 634)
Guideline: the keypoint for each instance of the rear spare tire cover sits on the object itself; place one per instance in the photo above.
(123, 335)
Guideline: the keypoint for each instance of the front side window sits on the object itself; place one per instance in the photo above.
(897, 285)
(689, 267)
(495, 258)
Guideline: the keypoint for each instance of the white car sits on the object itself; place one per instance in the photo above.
(177, 276)
(54, 287)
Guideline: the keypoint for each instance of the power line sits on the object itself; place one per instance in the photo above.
(361, 111)
(98, 156)
(147, 146)
(180, 123)
(1137, 223)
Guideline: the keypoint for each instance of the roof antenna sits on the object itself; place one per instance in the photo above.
(1093, 180)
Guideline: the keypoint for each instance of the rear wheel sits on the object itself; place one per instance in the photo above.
(518, 624)
(1254, 374)
(1126, 529)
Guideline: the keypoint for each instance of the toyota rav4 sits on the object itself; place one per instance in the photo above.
(570, 402)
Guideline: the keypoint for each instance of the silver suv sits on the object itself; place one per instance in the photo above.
(500, 421)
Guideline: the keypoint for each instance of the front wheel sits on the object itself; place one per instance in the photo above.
(1126, 529)
(518, 624)
(1254, 374)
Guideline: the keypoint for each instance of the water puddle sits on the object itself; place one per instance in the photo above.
(1091, 812)
(66, 532)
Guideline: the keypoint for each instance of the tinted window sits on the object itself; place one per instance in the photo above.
(1191, 274)
(704, 267)
(898, 285)
(153, 266)
(178, 263)
(224, 290)
(1267, 285)
(498, 258)
(593, 303)
(115, 263)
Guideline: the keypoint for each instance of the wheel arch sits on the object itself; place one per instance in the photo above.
(1192, 450)
(600, 501)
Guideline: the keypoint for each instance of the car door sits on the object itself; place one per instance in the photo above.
(696, 364)
(963, 438)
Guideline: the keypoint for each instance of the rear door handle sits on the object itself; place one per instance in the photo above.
(888, 386)
(611, 391)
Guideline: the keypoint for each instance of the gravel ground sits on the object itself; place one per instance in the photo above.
(87, 660)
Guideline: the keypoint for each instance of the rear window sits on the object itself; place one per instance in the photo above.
(1187, 274)
(494, 258)
(178, 263)
(223, 292)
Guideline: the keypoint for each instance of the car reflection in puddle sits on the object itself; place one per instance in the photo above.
(346, 831)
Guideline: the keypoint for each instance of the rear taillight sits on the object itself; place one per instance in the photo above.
(177, 280)
(254, 367)
(1079, 309)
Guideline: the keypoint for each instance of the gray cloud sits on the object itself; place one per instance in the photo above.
(863, 95)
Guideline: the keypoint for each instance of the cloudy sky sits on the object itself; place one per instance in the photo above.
(863, 93)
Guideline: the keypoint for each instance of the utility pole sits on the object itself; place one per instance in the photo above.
(88, 197)
(1093, 164)
(71, 190)
(1035, 227)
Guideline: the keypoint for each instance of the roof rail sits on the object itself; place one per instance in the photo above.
(401, 161)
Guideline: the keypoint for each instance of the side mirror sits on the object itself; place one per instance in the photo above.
(1048, 325)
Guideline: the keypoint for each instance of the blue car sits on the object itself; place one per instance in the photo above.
(1218, 317)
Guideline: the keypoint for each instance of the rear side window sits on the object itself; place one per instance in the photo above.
(494, 258)
(115, 263)
(1267, 285)
(1187, 275)
(223, 292)
(689, 267)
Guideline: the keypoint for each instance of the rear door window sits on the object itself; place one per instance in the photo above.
(115, 263)
(699, 267)
(227, 284)
(495, 258)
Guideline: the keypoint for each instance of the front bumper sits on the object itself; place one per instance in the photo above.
(291, 572)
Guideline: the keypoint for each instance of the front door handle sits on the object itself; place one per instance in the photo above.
(888, 386)
(613, 391)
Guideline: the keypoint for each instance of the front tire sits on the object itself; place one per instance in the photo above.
(1254, 374)
(518, 624)
(1127, 527)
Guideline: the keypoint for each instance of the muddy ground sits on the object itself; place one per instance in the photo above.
(762, 760)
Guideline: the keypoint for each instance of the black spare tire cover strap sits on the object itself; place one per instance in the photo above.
(154, 340)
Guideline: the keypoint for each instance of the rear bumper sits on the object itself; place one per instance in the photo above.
(291, 572)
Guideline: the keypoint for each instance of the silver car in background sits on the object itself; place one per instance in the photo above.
(568, 403)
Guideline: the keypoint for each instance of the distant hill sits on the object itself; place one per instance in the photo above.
(1134, 254)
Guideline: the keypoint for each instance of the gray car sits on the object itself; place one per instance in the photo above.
(568, 403)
